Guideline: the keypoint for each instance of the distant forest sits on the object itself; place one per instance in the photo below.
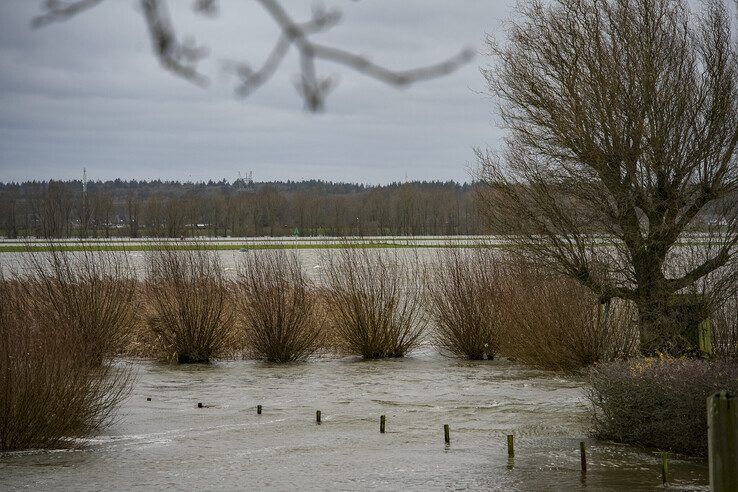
(60, 209)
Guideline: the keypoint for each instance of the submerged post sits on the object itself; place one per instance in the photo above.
(705, 337)
(258, 409)
(583, 456)
(510, 446)
(722, 438)
(381, 424)
(317, 416)
(447, 434)
(664, 468)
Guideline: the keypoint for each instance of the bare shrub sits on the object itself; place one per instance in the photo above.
(90, 294)
(375, 301)
(277, 307)
(657, 402)
(50, 394)
(463, 297)
(188, 294)
(553, 322)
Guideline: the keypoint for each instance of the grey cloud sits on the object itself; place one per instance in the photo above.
(88, 92)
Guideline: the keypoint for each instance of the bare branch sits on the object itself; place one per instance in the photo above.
(182, 58)
(57, 10)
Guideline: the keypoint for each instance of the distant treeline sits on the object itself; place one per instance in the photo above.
(58, 209)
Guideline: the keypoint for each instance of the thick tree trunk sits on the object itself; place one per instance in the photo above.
(669, 323)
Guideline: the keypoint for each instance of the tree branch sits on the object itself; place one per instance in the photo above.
(182, 59)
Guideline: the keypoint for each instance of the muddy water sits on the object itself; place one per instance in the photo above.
(170, 443)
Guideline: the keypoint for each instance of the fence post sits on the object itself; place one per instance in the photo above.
(722, 438)
(705, 337)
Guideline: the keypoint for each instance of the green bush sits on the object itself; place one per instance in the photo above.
(658, 403)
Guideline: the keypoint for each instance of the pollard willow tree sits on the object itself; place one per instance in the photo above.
(622, 129)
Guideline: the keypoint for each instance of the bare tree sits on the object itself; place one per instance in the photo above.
(182, 57)
(622, 119)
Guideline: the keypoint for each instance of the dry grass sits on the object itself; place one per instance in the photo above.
(188, 298)
(277, 307)
(50, 394)
(464, 300)
(88, 294)
(374, 301)
(553, 322)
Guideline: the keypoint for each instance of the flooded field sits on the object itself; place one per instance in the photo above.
(169, 442)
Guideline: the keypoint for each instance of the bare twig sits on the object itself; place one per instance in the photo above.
(57, 10)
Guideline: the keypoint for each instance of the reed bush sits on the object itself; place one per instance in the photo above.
(658, 403)
(724, 315)
(464, 302)
(375, 301)
(50, 395)
(89, 294)
(189, 299)
(277, 307)
(724, 325)
(553, 322)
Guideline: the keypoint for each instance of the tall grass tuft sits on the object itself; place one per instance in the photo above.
(188, 294)
(277, 306)
(374, 301)
(50, 395)
(90, 294)
(553, 322)
(464, 301)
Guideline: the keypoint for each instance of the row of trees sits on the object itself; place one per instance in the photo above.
(59, 209)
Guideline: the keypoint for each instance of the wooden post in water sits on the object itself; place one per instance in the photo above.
(510, 446)
(704, 332)
(447, 434)
(382, 420)
(722, 438)
(317, 416)
(583, 456)
(664, 468)
(258, 409)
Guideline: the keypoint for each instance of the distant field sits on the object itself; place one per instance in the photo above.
(249, 243)
(235, 244)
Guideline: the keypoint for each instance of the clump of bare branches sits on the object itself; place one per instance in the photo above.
(50, 394)
(89, 294)
(553, 322)
(657, 402)
(464, 301)
(375, 301)
(277, 307)
(182, 57)
(188, 294)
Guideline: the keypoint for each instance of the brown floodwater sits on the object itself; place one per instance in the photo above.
(170, 443)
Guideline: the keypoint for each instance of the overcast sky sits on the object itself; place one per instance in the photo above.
(87, 92)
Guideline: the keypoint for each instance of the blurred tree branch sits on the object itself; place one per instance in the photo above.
(182, 57)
